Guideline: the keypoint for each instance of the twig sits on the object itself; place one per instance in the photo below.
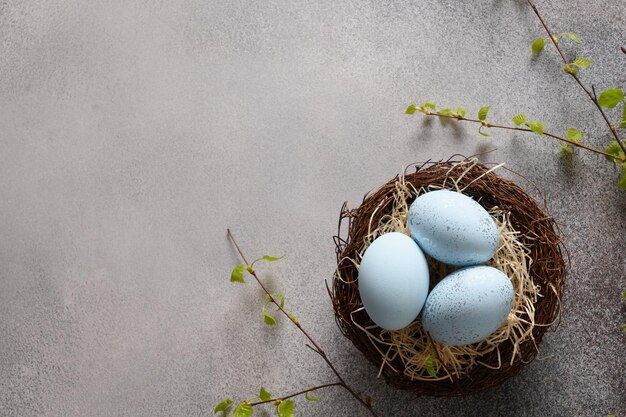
(521, 129)
(295, 394)
(591, 94)
(312, 348)
(319, 350)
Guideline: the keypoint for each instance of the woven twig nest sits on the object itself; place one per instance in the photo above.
(531, 254)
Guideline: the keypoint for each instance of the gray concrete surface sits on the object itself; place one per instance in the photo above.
(134, 132)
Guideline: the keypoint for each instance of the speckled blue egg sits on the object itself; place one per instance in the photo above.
(393, 280)
(453, 228)
(468, 305)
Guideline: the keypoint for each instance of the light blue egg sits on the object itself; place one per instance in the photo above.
(453, 228)
(468, 305)
(393, 280)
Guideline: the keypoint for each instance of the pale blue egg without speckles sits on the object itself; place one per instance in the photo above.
(393, 280)
(453, 228)
(468, 305)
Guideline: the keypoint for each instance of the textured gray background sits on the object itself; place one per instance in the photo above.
(134, 132)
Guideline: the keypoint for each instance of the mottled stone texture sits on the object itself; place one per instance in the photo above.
(135, 132)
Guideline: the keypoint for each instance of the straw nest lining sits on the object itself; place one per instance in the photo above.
(529, 254)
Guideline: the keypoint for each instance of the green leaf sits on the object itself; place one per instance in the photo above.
(223, 406)
(536, 126)
(537, 45)
(411, 109)
(266, 258)
(613, 148)
(280, 297)
(572, 37)
(519, 119)
(566, 148)
(574, 135)
(482, 113)
(286, 408)
(461, 111)
(293, 318)
(430, 106)
(237, 274)
(429, 366)
(264, 395)
(624, 294)
(582, 62)
(622, 182)
(622, 124)
(268, 319)
(617, 155)
(483, 133)
(570, 69)
(243, 410)
(445, 112)
(611, 97)
(310, 397)
(271, 258)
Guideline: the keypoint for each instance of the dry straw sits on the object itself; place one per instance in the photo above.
(529, 254)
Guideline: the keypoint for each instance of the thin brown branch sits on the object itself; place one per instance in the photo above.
(295, 394)
(523, 129)
(545, 26)
(590, 93)
(313, 349)
(319, 350)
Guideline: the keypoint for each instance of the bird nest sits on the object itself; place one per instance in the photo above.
(530, 254)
